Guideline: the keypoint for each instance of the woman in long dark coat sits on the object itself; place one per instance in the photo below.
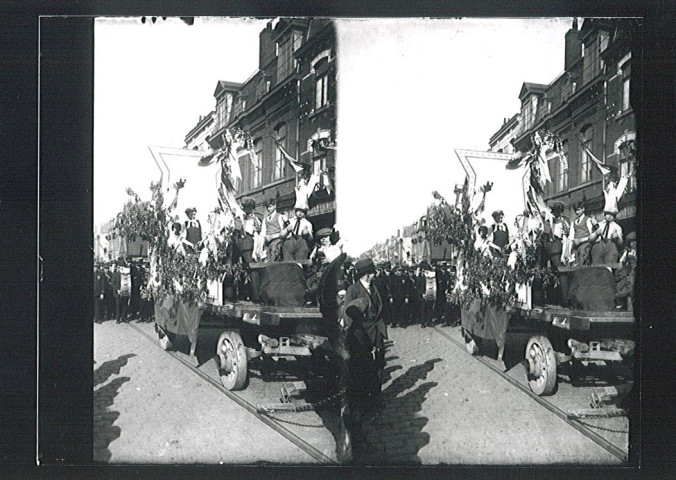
(365, 343)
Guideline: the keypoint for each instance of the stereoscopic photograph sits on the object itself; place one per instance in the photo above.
(364, 241)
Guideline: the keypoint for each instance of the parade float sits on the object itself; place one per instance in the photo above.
(261, 308)
(568, 310)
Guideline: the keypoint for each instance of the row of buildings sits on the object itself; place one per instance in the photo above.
(289, 100)
(588, 105)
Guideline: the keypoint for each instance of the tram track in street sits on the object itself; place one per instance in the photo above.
(588, 432)
(316, 454)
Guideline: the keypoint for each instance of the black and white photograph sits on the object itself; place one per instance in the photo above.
(373, 241)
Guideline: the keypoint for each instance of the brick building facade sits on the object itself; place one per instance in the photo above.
(291, 100)
(588, 104)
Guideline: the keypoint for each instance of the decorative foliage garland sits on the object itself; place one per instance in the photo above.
(489, 279)
(175, 273)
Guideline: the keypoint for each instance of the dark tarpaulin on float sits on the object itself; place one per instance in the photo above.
(281, 284)
(178, 317)
(485, 322)
(592, 288)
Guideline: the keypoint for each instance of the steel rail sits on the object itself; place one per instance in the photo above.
(595, 437)
(319, 456)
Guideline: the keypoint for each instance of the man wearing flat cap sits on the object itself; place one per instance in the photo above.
(365, 342)
(246, 229)
(580, 231)
(273, 224)
(325, 252)
(297, 237)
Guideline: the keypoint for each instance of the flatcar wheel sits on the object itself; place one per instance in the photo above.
(232, 358)
(541, 365)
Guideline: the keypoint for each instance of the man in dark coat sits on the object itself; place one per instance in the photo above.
(365, 342)
(109, 298)
(122, 295)
(401, 296)
(383, 284)
(99, 294)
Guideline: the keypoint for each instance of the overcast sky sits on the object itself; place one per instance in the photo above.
(410, 92)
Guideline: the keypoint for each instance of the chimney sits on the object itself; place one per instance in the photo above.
(573, 47)
(266, 46)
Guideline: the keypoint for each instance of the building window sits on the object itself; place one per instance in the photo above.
(257, 164)
(284, 60)
(562, 177)
(627, 166)
(585, 159)
(223, 110)
(626, 86)
(321, 91)
(552, 165)
(321, 83)
(278, 171)
(262, 88)
(527, 117)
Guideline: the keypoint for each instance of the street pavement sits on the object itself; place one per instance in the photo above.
(149, 408)
(443, 406)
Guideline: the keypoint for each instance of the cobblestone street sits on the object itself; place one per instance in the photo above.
(148, 408)
(443, 406)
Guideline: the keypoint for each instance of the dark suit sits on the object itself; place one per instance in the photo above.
(108, 298)
(99, 295)
(402, 292)
(364, 333)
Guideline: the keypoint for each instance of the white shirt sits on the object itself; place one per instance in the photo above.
(613, 194)
(304, 227)
(304, 189)
(613, 228)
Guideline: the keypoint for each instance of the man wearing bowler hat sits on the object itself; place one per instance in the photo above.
(365, 342)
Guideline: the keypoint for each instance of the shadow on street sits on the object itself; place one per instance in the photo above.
(110, 368)
(104, 418)
(397, 425)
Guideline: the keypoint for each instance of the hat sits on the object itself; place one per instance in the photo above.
(356, 308)
(364, 266)
(425, 266)
(323, 232)
(249, 203)
(557, 207)
(631, 237)
(190, 210)
(497, 212)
